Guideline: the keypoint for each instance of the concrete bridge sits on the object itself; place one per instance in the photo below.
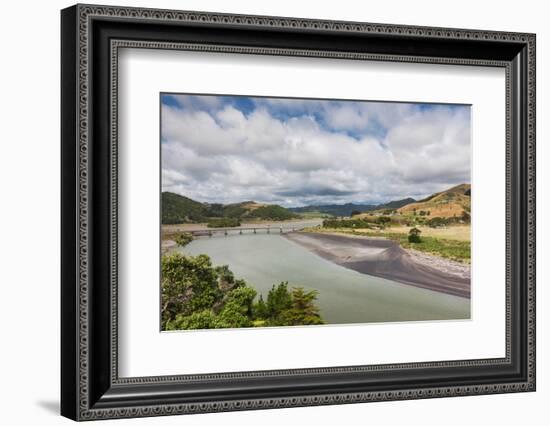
(245, 229)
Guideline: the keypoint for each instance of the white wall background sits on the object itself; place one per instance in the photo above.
(29, 213)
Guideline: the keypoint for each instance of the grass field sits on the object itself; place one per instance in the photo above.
(458, 232)
(451, 243)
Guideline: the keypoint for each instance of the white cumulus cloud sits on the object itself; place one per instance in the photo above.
(298, 152)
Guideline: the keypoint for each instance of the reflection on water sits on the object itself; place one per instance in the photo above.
(345, 296)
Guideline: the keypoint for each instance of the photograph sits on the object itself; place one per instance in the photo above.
(268, 209)
(281, 212)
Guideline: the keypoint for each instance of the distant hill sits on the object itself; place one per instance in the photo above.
(179, 209)
(253, 210)
(396, 204)
(334, 209)
(450, 203)
(349, 208)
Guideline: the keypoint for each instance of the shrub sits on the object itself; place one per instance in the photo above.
(414, 235)
(383, 220)
(348, 223)
(182, 239)
(437, 221)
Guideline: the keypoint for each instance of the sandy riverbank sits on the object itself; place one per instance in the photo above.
(386, 259)
(167, 245)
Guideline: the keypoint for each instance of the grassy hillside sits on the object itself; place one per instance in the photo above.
(271, 212)
(179, 209)
(253, 210)
(450, 203)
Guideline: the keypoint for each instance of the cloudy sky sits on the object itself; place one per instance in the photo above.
(297, 152)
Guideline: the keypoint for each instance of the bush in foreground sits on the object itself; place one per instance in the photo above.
(197, 295)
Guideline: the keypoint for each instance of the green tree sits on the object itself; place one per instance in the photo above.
(226, 279)
(183, 238)
(196, 295)
(197, 320)
(237, 309)
(304, 311)
(189, 284)
(260, 309)
(279, 299)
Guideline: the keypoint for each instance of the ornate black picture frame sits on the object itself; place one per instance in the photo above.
(91, 36)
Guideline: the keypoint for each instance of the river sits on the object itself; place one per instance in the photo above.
(345, 296)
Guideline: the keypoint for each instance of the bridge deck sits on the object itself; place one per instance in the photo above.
(240, 230)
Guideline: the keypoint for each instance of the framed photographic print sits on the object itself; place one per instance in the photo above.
(263, 212)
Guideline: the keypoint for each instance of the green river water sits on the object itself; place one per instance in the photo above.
(345, 296)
